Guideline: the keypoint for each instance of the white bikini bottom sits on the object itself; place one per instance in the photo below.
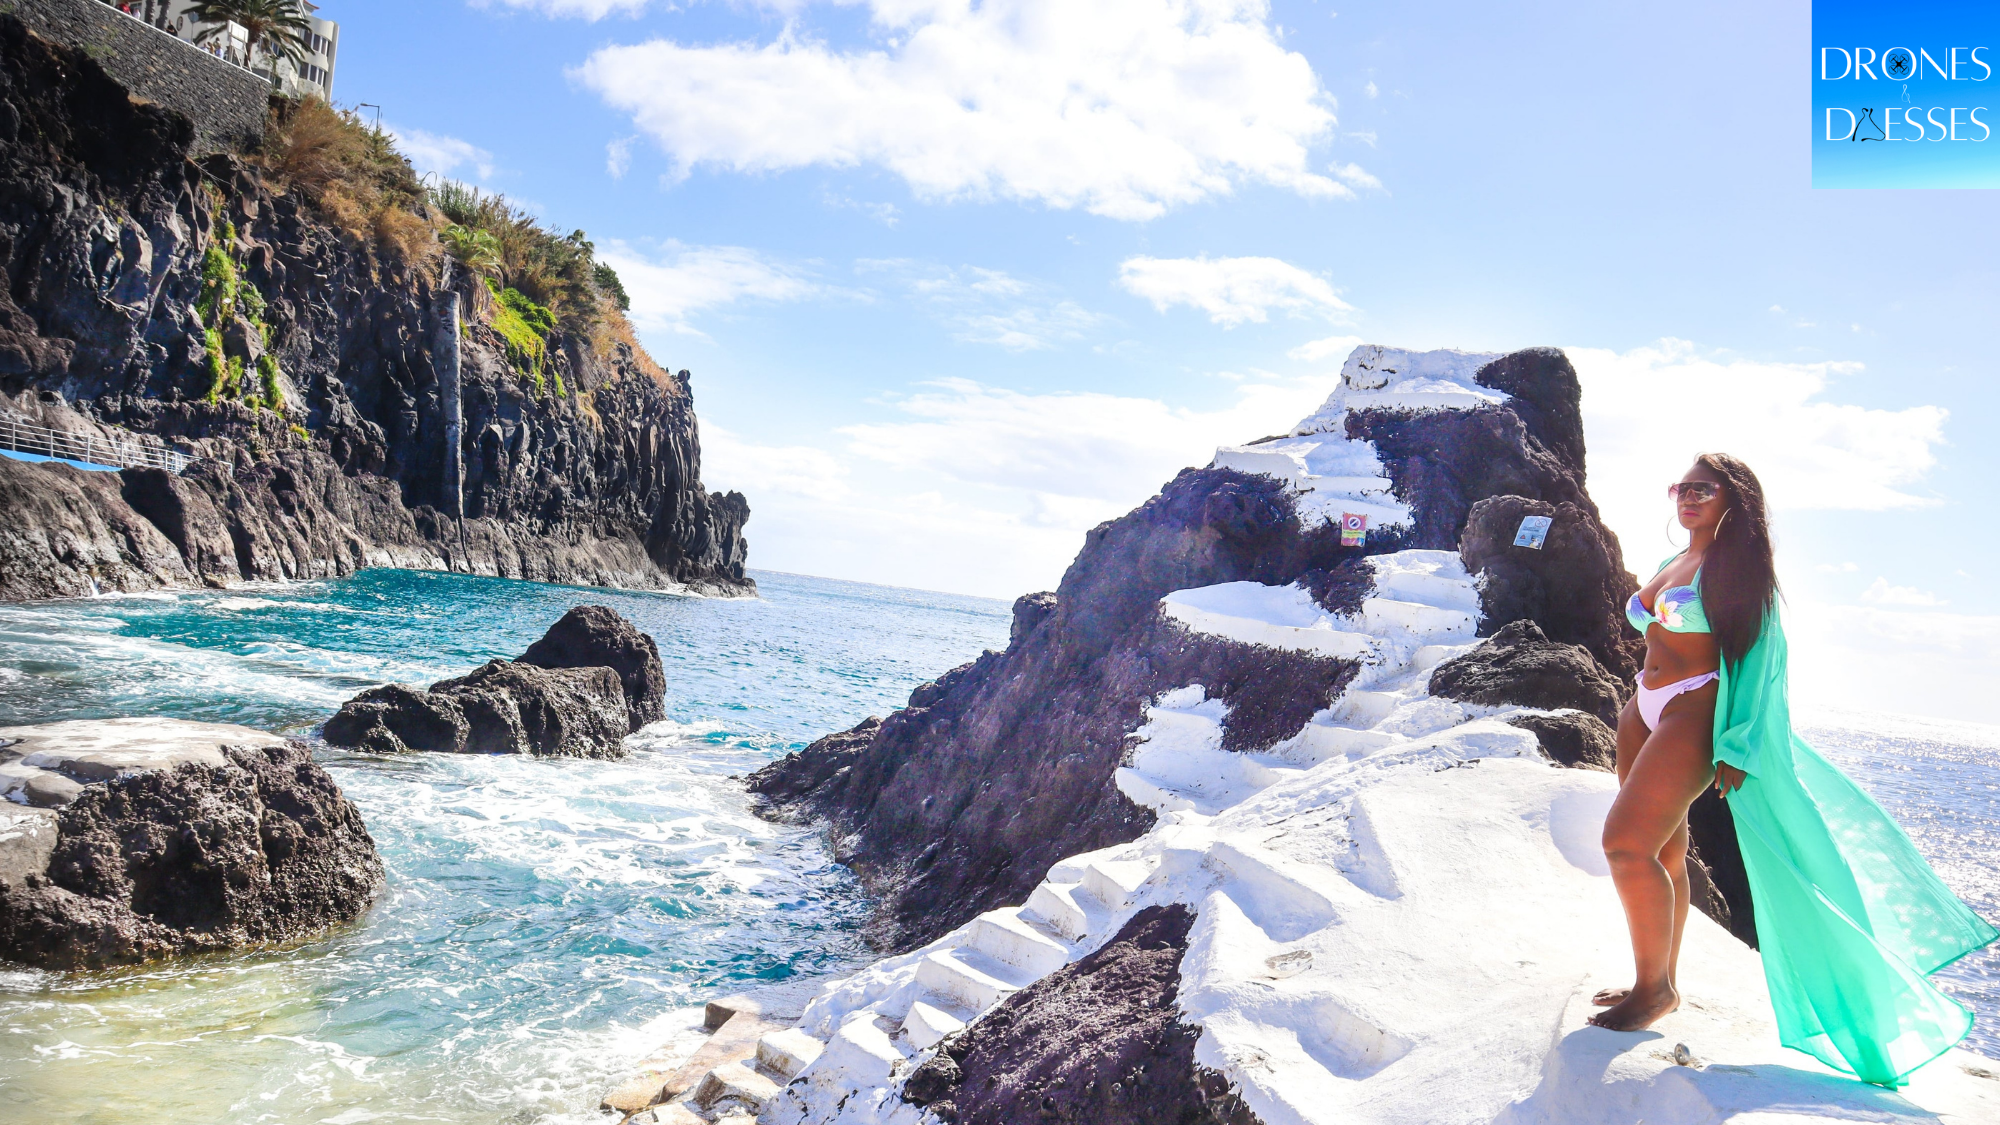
(1653, 700)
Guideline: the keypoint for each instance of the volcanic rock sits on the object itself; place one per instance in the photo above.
(1097, 1042)
(1520, 666)
(595, 636)
(185, 848)
(960, 802)
(1574, 586)
(1576, 739)
(549, 703)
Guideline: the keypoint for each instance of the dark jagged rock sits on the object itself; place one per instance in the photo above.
(961, 801)
(1574, 587)
(104, 222)
(1519, 666)
(576, 693)
(1097, 1042)
(595, 636)
(1444, 461)
(1030, 610)
(1573, 738)
(503, 707)
(192, 859)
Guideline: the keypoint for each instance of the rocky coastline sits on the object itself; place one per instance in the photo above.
(393, 425)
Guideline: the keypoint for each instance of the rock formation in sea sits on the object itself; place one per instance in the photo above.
(577, 692)
(959, 802)
(352, 397)
(135, 839)
(1396, 902)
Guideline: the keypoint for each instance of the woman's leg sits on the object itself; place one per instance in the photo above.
(1668, 773)
(1632, 734)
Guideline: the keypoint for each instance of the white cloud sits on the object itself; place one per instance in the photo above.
(1123, 107)
(1230, 290)
(979, 489)
(618, 157)
(1371, 89)
(1648, 411)
(1355, 176)
(670, 287)
(435, 152)
(1881, 593)
(984, 306)
(1332, 347)
(586, 9)
(1915, 661)
(1837, 568)
(1114, 450)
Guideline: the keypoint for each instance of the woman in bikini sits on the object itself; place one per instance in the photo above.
(1850, 919)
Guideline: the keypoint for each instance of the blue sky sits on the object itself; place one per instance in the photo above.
(958, 281)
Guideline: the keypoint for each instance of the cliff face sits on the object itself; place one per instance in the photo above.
(961, 802)
(382, 432)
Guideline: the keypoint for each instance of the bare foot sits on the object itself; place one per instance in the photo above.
(1609, 996)
(1638, 1010)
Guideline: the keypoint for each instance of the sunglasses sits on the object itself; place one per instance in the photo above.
(1699, 491)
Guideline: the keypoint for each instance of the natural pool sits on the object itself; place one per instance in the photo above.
(545, 922)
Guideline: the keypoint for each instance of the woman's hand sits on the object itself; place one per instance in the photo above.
(1727, 778)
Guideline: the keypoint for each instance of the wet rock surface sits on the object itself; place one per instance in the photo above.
(1520, 666)
(541, 704)
(1098, 1042)
(588, 474)
(198, 856)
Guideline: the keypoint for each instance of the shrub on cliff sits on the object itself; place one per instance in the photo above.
(352, 173)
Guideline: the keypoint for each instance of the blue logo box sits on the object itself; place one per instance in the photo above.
(1905, 96)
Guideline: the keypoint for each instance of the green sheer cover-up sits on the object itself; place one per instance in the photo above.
(1849, 916)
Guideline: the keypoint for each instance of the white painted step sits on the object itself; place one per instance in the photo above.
(735, 1082)
(860, 1054)
(1384, 616)
(970, 980)
(787, 1052)
(1114, 882)
(1055, 905)
(1006, 936)
(925, 1025)
(1320, 742)
(1363, 709)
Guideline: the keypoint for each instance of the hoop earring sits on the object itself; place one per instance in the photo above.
(1666, 529)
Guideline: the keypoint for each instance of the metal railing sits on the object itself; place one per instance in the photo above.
(26, 437)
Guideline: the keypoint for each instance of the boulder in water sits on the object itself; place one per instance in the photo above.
(180, 838)
(595, 636)
(576, 693)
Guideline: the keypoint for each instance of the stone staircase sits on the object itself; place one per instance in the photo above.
(862, 1032)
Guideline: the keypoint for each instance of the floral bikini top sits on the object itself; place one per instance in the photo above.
(1676, 609)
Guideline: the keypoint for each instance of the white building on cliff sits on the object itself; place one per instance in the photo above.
(312, 74)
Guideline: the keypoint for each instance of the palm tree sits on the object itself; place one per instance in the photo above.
(279, 26)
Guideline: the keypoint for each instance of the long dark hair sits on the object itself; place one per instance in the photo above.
(1739, 582)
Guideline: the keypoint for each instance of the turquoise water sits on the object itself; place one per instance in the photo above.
(545, 924)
